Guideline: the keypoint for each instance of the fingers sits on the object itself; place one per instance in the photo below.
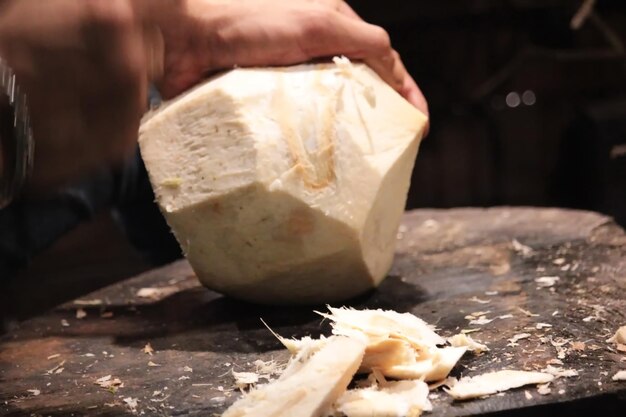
(391, 69)
(115, 46)
(389, 66)
(414, 95)
(273, 32)
(335, 34)
(154, 50)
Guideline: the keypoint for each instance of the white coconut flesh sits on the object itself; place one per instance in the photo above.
(285, 185)
(309, 385)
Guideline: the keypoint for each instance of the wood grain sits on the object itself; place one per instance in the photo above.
(446, 260)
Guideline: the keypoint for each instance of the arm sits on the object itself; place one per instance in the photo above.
(81, 65)
(86, 64)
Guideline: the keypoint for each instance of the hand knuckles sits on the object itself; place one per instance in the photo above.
(383, 39)
(316, 23)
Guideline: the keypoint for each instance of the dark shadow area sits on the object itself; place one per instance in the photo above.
(392, 294)
(199, 320)
(607, 405)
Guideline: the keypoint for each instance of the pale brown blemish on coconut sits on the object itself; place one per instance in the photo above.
(301, 223)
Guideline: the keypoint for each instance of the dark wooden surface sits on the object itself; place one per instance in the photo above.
(445, 258)
(93, 255)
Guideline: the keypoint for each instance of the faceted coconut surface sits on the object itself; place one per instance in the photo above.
(285, 185)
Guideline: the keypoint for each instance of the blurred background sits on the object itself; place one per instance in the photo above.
(527, 100)
(528, 107)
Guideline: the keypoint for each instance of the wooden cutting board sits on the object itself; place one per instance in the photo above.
(450, 264)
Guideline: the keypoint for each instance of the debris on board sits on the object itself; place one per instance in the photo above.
(463, 340)
(131, 403)
(544, 389)
(147, 349)
(479, 301)
(94, 302)
(245, 380)
(516, 338)
(448, 382)
(560, 372)
(619, 339)
(480, 321)
(478, 318)
(109, 383)
(468, 331)
(547, 281)
(384, 344)
(527, 313)
(57, 369)
(398, 345)
(493, 382)
(157, 293)
(559, 344)
(522, 249)
(619, 376)
(266, 369)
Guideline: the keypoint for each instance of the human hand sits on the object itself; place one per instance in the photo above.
(83, 68)
(85, 65)
(388, 65)
(210, 35)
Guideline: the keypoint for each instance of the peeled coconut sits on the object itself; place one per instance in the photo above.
(312, 382)
(285, 185)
